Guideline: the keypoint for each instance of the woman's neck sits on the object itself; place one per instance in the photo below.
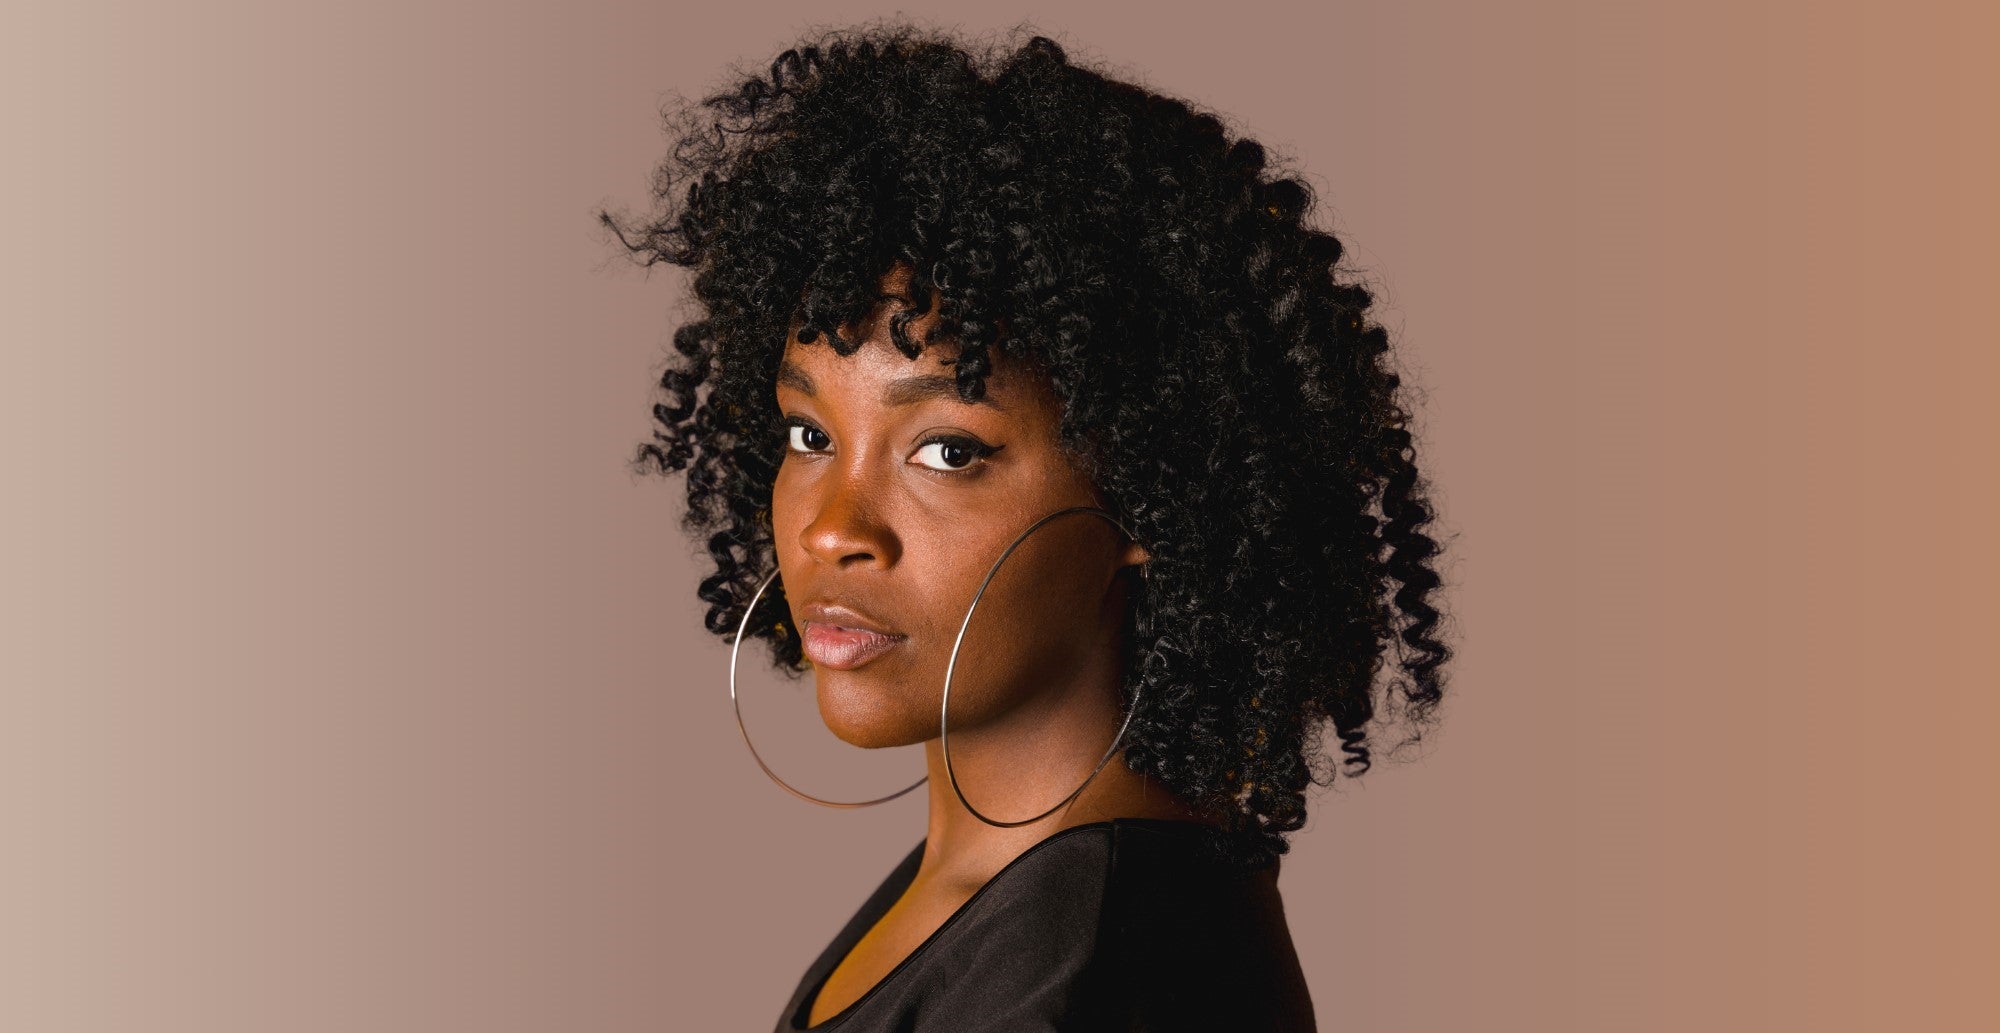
(1020, 766)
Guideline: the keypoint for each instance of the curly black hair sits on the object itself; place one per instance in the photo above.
(1223, 384)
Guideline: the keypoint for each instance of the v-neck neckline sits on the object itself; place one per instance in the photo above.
(892, 891)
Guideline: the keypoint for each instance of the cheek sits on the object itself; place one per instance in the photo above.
(1035, 622)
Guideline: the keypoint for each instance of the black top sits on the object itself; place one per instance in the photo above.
(1125, 925)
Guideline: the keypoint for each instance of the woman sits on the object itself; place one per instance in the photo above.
(999, 335)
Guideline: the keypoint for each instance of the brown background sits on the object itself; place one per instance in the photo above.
(351, 682)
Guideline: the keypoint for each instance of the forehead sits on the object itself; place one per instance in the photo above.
(880, 373)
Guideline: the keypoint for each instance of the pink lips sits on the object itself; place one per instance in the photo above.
(844, 649)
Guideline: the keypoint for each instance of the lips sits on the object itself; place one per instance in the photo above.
(844, 649)
(842, 637)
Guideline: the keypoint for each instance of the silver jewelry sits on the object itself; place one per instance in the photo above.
(944, 709)
(735, 703)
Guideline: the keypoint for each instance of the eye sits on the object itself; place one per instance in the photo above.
(957, 454)
(796, 432)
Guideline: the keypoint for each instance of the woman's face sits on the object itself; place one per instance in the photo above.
(895, 499)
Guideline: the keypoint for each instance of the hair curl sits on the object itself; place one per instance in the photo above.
(1223, 387)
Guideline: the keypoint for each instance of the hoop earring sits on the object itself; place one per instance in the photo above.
(944, 741)
(738, 707)
(945, 708)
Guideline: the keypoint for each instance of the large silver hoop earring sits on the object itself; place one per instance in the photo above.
(738, 707)
(944, 730)
(944, 740)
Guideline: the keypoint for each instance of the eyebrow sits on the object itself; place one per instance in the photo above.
(900, 392)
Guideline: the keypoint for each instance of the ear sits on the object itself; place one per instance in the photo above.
(1134, 555)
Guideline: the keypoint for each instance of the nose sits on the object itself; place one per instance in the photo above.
(847, 527)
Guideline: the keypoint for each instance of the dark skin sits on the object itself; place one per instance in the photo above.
(864, 513)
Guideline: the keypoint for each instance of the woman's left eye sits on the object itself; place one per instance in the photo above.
(956, 454)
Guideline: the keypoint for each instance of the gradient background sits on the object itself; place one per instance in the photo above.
(351, 682)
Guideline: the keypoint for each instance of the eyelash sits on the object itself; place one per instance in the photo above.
(979, 449)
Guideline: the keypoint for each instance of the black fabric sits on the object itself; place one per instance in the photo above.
(1123, 925)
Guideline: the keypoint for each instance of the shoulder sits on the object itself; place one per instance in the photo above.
(1019, 957)
(1128, 925)
(1040, 915)
(1122, 926)
(1189, 942)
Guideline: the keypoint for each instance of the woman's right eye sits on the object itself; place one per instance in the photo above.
(797, 434)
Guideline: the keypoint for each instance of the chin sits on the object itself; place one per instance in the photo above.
(864, 713)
